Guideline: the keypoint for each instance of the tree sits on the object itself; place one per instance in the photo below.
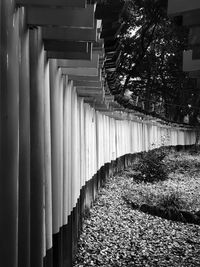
(151, 61)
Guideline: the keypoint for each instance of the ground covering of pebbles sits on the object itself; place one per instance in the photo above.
(115, 235)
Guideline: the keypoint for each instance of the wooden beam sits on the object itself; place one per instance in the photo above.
(177, 7)
(189, 64)
(85, 78)
(194, 36)
(60, 3)
(89, 99)
(93, 63)
(89, 89)
(92, 99)
(88, 84)
(69, 34)
(69, 17)
(69, 55)
(64, 46)
(107, 11)
(194, 74)
(196, 53)
(191, 18)
(87, 93)
(80, 71)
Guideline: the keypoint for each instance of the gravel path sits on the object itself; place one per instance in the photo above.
(116, 235)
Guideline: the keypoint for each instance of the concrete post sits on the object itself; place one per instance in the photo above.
(9, 133)
(24, 144)
(37, 146)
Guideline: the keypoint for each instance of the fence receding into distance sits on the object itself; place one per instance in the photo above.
(56, 148)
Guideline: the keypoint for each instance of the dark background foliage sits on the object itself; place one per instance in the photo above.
(150, 68)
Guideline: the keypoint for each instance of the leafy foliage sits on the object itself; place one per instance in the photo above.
(152, 167)
(151, 62)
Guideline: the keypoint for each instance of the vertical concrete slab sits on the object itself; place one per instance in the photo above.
(37, 146)
(74, 136)
(56, 100)
(24, 144)
(67, 206)
(9, 122)
(48, 163)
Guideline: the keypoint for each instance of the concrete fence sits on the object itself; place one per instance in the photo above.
(56, 149)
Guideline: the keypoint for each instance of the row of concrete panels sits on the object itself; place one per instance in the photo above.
(71, 34)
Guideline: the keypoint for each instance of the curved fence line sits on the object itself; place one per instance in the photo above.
(55, 149)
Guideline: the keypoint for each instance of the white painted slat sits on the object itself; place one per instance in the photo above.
(48, 176)
(56, 140)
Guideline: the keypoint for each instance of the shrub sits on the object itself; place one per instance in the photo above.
(172, 199)
(152, 167)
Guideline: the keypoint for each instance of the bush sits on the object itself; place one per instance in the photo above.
(172, 199)
(152, 167)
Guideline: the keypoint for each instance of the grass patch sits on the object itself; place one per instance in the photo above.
(180, 190)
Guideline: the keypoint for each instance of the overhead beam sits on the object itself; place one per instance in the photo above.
(60, 3)
(68, 17)
(69, 55)
(91, 99)
(87, 93)
(192, 18)
(89, 89)
(69, 34)
(190, 64)
(88, 84)
(94, 63)
(194, 74)
(196, 53)
(109, 11)
(177, 7)
(85, 78)
(194, 36)
(54, 45)
(80, 71)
